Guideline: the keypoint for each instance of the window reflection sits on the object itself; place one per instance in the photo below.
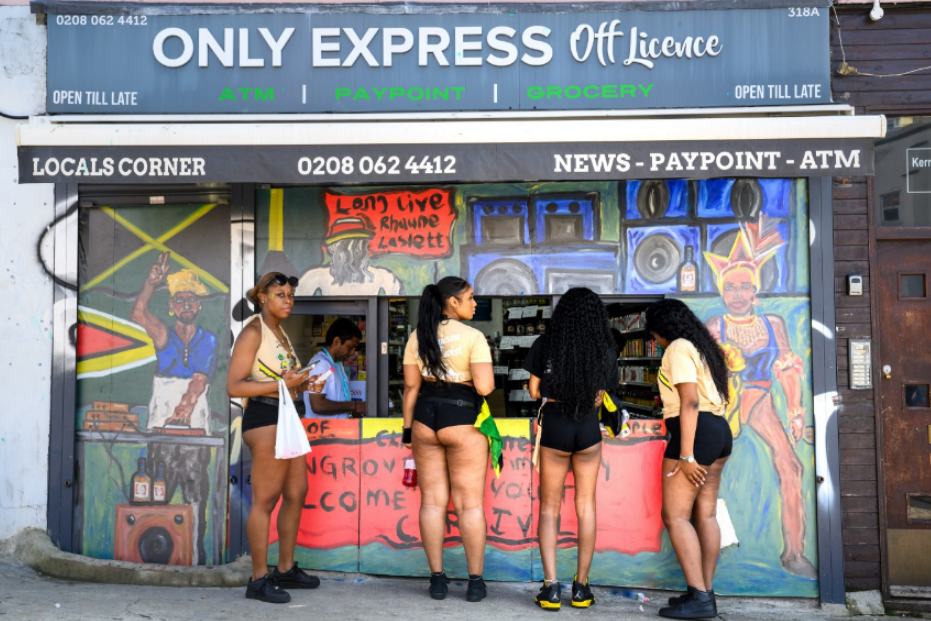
(903, 173)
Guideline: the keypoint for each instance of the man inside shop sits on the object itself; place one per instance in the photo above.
(335, 401)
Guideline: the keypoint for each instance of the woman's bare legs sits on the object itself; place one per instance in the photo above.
(704, 518)
(554, 465)
(433, 480)
(294, 495)
(585, 467)
(268, 481)
(678, 499)
(467, 457)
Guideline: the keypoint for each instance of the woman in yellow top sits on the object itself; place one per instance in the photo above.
(447, 371)
(262, 355)
(693, 386)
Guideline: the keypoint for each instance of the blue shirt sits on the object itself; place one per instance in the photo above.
(201, 355)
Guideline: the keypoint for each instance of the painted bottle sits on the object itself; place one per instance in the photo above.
(688, 272)
(142, 483)
(159, 488)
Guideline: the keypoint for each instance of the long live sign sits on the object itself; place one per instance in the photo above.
(437, 59)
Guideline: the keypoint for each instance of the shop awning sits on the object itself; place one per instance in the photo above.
(813, 141)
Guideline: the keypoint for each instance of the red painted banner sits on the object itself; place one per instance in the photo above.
(355, 496)
(414, 223)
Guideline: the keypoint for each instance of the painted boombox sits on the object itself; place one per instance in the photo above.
(162, 534)
(668, 223)
(540, 244)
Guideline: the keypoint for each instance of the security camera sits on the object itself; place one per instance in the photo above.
(876, 13)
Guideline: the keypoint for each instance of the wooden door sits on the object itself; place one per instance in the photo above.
(905, 390)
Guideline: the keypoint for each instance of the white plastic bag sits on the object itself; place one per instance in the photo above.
(291, 439)
(728, 534)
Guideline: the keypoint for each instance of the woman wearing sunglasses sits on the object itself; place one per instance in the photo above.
(263, 355)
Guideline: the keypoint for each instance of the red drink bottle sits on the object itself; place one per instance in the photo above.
(410, 473)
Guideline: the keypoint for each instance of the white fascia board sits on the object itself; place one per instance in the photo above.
(453, 131)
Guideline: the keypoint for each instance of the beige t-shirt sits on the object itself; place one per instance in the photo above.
(461, 345)
(682, 364)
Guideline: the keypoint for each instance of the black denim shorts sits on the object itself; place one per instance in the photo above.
(262, 414)
(440, 406)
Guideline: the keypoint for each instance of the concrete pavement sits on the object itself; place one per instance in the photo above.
(28, 595)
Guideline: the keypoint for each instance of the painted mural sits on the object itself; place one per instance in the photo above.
(736, 250)
(152, 412)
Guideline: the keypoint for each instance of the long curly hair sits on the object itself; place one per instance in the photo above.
(576, 348)
(672, 319)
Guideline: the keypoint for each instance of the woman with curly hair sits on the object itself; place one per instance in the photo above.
(570, 368)
(693, 386)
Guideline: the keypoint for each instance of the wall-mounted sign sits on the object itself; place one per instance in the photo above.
(462, 163)
(860, 364)
(436, 59)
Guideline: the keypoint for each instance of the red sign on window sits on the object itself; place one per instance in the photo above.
(414, 223)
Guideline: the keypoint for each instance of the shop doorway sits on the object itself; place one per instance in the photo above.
(905, 325)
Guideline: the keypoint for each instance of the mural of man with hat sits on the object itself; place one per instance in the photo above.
(350, 271)
(186, 353)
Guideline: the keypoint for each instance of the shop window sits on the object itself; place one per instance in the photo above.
(902, 184)
(916, 396)
(890, 206)
(912, 286)
(919, 509)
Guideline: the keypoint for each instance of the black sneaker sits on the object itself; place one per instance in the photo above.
(476, 591)
(266, 589)
(295, 578)
(548, 597)
(438, 582)
(681, 598)
(582, 596)
(696, 605)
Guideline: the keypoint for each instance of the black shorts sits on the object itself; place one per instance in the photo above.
(443, 413)
(565, 433)
(260, 414)
(713, 439)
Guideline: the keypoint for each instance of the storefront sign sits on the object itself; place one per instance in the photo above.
(450, 59)
(445, 163)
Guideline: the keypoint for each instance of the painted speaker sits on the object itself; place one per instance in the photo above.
(160, 534)
(655, 254)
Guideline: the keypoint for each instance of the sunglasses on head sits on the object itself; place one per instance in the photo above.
(283, 280)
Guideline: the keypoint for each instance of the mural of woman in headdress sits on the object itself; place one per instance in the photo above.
(350, 271)
(759, 357)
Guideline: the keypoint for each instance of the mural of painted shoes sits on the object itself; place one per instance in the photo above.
(476, 591)
(266, 589)
(438, 585)
(799, 565)
(548, 597)
(295, 578)
(695, 605)
(681, 598)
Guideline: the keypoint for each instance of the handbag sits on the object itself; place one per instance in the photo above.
(290, 438)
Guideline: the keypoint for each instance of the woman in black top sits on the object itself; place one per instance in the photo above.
(570, 367)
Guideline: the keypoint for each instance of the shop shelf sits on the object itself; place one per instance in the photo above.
(637, 406)
(644, 384)
(655, 359)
